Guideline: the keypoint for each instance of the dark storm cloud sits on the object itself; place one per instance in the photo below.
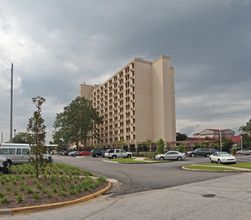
(59, 44)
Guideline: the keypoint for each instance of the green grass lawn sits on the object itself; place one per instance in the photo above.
(246, 165)
(213, 166)
(126, 160)
(207, 168)
(132, 160)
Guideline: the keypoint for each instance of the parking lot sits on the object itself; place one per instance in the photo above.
(143, 177)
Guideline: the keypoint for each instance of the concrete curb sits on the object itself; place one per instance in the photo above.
(21, 210)
(201, 170)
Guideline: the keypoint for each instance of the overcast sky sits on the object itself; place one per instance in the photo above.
(55, 45)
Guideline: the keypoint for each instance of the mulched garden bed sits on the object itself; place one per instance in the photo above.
(19, 190)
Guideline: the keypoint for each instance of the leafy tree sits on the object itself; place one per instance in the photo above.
(77, 123)
(227, 144)
(21, 138)
(181, 137)
(120, 143)
(246, 141)
(160, 146)
(36, 134)
(246, 128)
(145, 146)
(181, 148)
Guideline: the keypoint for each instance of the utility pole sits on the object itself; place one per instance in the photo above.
(220, 142)
(11, 103)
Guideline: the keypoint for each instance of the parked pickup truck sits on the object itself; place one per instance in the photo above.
(114, 153)
(4, 166)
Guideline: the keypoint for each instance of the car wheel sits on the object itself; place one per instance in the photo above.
(192, 155)
(219, 162)
(211, 161)
(114, 157)
(207, 155)
(179, 158)
(8, 164)
(129, 156)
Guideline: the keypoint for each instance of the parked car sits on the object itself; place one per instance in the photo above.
(201, 152)
(114, 153)
(84, 153)
(244, 152)
(98, 153)
(66, 152)
(222, 157)
(171, 155)
(4, 165)
(73, 153)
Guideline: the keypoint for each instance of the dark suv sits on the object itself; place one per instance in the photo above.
(201, 152)
(98, 153)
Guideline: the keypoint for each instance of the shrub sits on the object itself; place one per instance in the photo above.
(49, 195)
(39, 185)
(2, 195)
(181, 148)
(15, 192)
(8, 187)
(19, 198)
(29, 190)
(36, 196)
(160, 146)
(4, 200)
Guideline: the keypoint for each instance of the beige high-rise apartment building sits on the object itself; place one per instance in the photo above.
(138, 103)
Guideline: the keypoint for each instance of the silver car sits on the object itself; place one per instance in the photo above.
(171, 155)
(244, 151)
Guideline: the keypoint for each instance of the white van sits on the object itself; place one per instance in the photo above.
(15, 153)
(18, 153)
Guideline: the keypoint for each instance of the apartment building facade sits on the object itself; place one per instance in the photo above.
(137, 103)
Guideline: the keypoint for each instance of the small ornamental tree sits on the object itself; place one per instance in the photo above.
(181, 148)
(160, 146)
(36, 135)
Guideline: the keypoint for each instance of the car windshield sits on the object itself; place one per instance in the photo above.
(223, 154)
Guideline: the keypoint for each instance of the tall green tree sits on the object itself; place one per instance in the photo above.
(181, 137)
(21, 138)
(246, 141)
(36, 134)
(246, 128)
(77, 123)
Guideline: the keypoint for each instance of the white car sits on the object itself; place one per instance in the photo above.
(222, 157)
(171, 155)
(244, 152)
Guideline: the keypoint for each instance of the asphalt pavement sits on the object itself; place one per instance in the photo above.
(227, 197)
(158, 191)
(143, 177)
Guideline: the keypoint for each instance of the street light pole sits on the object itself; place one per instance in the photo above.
(11, 103)
(241, 142)
(220, 142)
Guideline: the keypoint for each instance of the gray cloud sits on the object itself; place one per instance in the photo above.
(56, 45)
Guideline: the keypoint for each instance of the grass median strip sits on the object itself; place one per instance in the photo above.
(198, 167)
(215, 166)
(126, 160)
(135, 160)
